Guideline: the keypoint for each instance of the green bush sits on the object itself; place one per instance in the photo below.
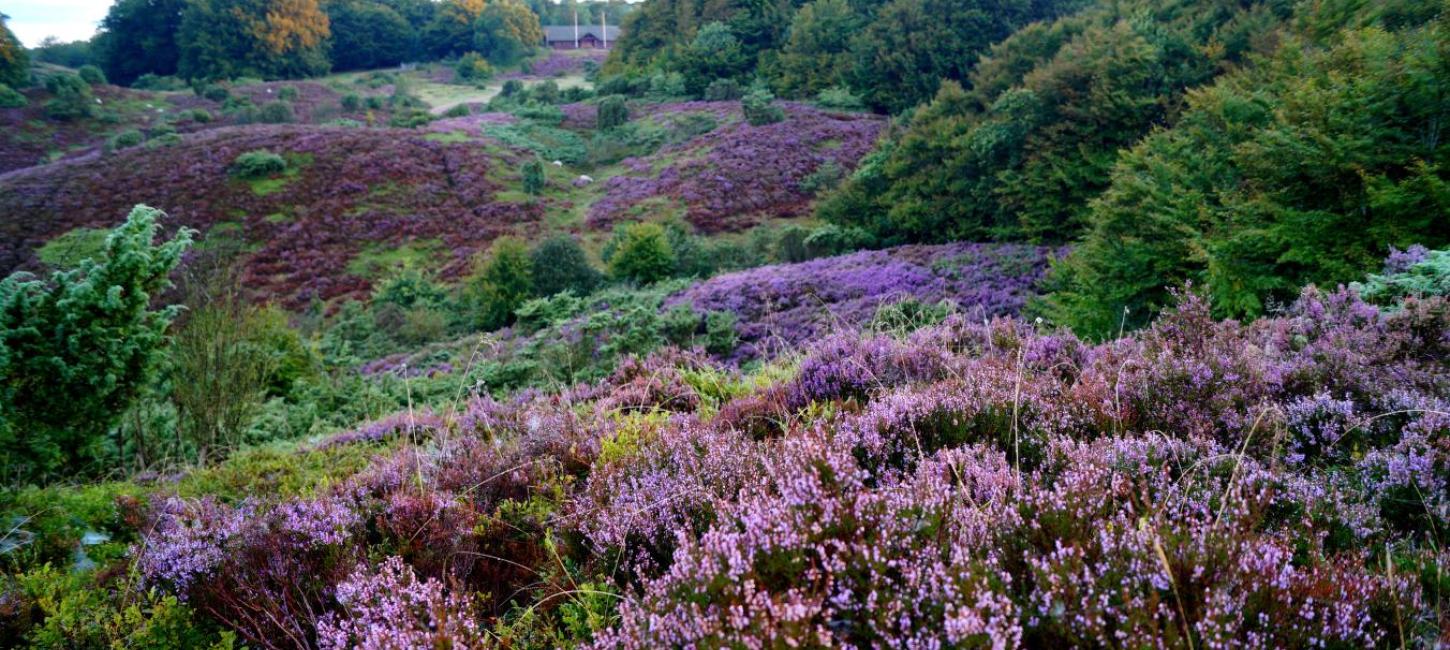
(613, 112)
(77, 610)
(72, 97)
(723, 90)
(157, 83)
(125, 140)
(10, 98)
(501, 283)
(823, 179)
(258, 164)
(560, 264)
(642, 254)
(511, 88)
(839, 97)
(534, 177)
(215, 93)
(351, 102)
(1427, 277)
(473, 68)
(759, 106)
(287, 94)
(278, 112)
(76, 351)
(545, 114)
(200, 115)
(545, 93)
(458, 110)
(92, 75)
(374, 103)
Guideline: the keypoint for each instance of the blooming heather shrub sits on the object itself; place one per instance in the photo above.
(977, 483)
(778, 307)
(728, 176)
(392, 608)
(269, 574)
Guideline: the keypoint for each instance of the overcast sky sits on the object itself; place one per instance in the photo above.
(67, 20)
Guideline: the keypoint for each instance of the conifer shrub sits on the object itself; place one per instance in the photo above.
(77, 350)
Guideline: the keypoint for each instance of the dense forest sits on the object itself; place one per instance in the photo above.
(766, 323)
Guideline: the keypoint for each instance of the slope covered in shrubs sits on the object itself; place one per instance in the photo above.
(341, 191)
(1278, 483)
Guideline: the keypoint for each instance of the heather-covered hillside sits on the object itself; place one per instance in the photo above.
(927, 324)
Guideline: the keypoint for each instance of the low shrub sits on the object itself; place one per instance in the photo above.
(351, 102)
(287, 94)
(759, 106)
(10, 98)
(724, 90)
(258, 164)
(125, 140)
(278, 112)
(613, 112)
(91, 75)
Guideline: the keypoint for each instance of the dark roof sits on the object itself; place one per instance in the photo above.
(556, 33)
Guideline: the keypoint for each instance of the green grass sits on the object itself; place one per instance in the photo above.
(375, 261)
(267, 186)
(69, 249)
(451, 137)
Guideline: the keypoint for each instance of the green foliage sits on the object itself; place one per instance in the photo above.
(817, 55)
(351, 103)
(506, 32)
(535, 179)
(824, 178)
(257, 164)
(906, 316)
(287, 94)
(77, 350)
(839, 98)
(501, 283)
(215, 93)
(81, 610)
(156, 83)
(724, 90)
(473, 68)
(759, 106)
(368, 35)
(71, 97)
(126, 139)
(10, 98)
(92, 75)
(560, 264)
(278, 112)
(219, 372)
(549, 143)
(1301, 171)
(545, 93)
(1422, 279)
(14, 61)
(458, 110)
(137, 43)
(714, 54)
(1023, 149)
(641, 254)
(74, 54)
(613, 112)
(227, 39)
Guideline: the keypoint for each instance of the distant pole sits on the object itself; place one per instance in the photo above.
(576, 29)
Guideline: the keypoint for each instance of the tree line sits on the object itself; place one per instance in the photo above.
(219, 39)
